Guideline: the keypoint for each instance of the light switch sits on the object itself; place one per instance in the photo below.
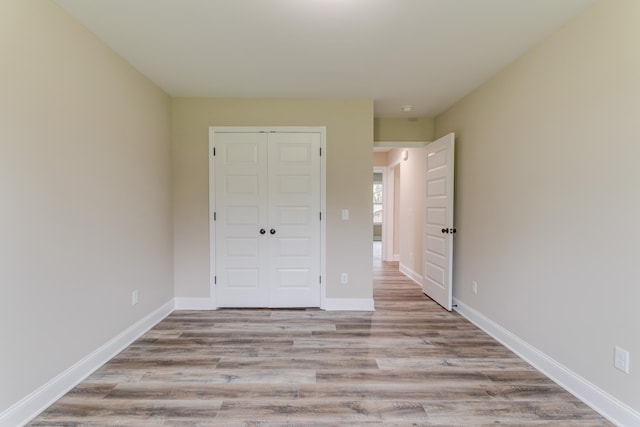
(345, 214)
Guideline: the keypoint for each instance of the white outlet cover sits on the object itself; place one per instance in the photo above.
(621, 359)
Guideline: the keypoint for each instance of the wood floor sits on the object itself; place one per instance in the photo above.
(407, 363)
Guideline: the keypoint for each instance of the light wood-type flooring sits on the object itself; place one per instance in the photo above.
(408, 363)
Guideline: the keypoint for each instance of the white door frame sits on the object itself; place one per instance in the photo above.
(213, 304)
(388, 214)
(383, 171)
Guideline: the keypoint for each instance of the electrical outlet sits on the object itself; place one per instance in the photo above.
(344, 278)
(134, 297)
(621, 359)
(474, 287)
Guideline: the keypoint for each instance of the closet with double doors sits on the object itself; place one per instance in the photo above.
(266, 222)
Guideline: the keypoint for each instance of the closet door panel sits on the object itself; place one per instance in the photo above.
(294, 209)
(241, 211)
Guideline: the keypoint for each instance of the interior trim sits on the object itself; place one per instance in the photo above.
(188, 303)
(592, 395)
(349, 304)
(33, 404)
(410, 274)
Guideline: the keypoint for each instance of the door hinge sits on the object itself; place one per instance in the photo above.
(214, 151)
(320, 281)
(320, 151)
(320, 216)
(215, 280)
(214, 216)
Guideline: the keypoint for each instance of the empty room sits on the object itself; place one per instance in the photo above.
(186, 220)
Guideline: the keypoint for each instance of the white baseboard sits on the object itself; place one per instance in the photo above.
(349, 304)
(410, 274)
(608, 406)
(184, 303)
(30, 406)
(330, 304)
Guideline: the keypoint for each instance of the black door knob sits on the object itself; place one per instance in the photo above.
(445, 230)
(272, 231)
(262, 231)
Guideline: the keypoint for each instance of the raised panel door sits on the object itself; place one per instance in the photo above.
(294, 209)
(438, 230)
(241, 212)
(267, 225)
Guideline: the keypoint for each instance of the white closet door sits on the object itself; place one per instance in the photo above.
(294, 219)
(241, 212)
(267, 192)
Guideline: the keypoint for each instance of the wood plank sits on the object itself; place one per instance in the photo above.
(408, 363)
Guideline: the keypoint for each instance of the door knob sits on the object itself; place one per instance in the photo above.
(445, 230)
(448, 230)
(262, 231)
(272, 231)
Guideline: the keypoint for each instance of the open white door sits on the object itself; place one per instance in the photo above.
(439, 229)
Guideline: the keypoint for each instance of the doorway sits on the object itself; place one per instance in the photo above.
(418, 214)
(386, 205)
(402, 212)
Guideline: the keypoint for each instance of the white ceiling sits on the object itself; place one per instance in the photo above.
(424, 53)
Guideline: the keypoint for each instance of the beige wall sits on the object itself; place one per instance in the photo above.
(349, 181)
(547, 196)
(85, 213)
(379, 159)
(399, 129)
